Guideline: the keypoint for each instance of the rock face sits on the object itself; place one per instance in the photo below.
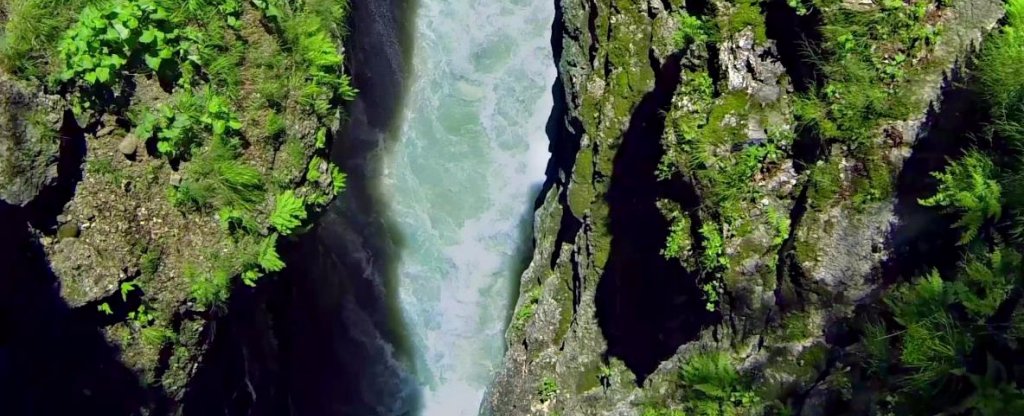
(605, 319)
(29, 141)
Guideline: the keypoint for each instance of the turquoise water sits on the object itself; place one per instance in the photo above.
(462, 179)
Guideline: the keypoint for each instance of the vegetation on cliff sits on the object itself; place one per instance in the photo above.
(206, 129)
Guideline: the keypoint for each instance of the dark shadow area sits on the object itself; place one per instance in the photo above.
(53, 359)
(239, 369)
(796, 37)
(325, 336)
(564, 137)
(44, 209)
(924, 238)
(647, 306)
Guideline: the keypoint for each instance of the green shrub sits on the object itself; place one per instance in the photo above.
(677, 244)
(267, 260)
(209, 289)
(715, 387)
(176, 132)
(985, 282)
(968, 187)
(547, 389)
(919, 301)
(714, 246)
(692, 30)
(1000, 61)
(122, 35)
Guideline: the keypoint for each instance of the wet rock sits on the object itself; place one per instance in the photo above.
(28, 141)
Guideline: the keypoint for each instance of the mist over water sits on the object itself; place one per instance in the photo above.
(461, 181)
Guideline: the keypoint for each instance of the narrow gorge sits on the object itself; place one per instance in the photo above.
(461, 179)
(505, 208)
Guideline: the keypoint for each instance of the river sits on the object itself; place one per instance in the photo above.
(460, 183)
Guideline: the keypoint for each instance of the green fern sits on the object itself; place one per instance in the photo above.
(968, 187)
(268, 257)
(289, 212)
(338, 179)
(986, 282)
(919, 301)
(717, 388)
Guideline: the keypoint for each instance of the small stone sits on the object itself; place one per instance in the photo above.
(175, 179)
(128, 145)
(106, 131)
(67, 231)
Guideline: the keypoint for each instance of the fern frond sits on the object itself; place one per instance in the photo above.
(289, 211)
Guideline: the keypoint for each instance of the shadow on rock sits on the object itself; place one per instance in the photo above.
(53, 359)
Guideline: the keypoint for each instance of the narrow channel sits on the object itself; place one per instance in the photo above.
(461, 181)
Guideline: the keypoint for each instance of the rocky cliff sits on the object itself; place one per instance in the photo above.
(729, 179)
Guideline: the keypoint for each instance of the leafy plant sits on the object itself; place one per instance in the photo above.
(105, 308)
(716, 387)
(987, 281)
(128, 287)
(267, 260)
(713, 246)
(209, 289)
(289, 212)
(547, 389)
(678, 243)
(117, 35)
(338, 179)
(525, 312)
(968, 187)
(691, 30)
(919, 301)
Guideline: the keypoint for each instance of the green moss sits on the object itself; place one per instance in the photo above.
(825, 182)
(600, 237)
(581, 191)
(564, 296)
(591, 378)
(796, 327)
(744, 14)
(526, 310)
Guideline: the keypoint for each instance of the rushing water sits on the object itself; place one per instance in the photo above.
(462, 179)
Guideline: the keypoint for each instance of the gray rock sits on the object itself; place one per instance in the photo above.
(29, 141)
(105, 131)
(128, 146)
(752, 68)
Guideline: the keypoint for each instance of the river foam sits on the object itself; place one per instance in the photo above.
(462, 179)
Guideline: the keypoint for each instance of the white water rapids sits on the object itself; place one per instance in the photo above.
(462, 179)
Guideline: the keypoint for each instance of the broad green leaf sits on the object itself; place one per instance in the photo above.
(153, 62)
(147, 36)
(122, 31)
(103, 74)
